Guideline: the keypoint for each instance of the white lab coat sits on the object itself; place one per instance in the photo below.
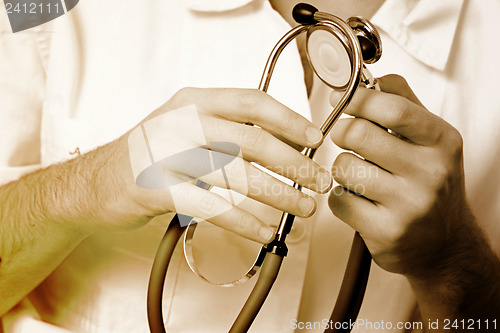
(106, 67)
(111, 64)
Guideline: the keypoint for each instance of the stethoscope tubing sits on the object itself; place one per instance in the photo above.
(158, 274)
(356, 276)
(357, 271)
(345, 310)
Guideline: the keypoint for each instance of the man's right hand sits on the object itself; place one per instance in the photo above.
(222, 114)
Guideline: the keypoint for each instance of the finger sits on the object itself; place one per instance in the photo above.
(397, 85)
(356, 211)
(259, 146)
(244, 178)
(397, 113)
(271, 191)
(252, 106)
(290, 143)
(375, 144)
(193, 201)
(363, 178)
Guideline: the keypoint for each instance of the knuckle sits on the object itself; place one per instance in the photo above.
(288, 122)
(438, 176)
(182, 97)
(333, 199)
(357, 133)
(335, 97)
(415, 208)
(241, 223)
(420, 199)
(338, 202)
(398, 111)
(255, 189)
(440, 172)
(236, 174)
(248, 98)
(455, 144)
(252, 139)
(340, 166)
(426, 205)
(393, 231)
(183, 94)
(185, 91)
(398, 78)
(300, 167)
(208, 205)
(289, 199)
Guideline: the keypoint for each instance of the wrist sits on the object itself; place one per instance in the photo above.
(104, 196)
(460, 276)
(75, 193)
(38, 202)
(65, 196)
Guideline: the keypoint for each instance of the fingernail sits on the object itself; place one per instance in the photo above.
(307, 206)
(313, 135)
(324, 180)
(266, 234)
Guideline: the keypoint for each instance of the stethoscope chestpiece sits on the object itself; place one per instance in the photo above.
(368, 37)
(328, 49)
(328, 53)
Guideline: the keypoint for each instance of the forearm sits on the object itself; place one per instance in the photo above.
(464, 284)
(42, 219)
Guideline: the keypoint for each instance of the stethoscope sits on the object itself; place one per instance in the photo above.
(355, 42)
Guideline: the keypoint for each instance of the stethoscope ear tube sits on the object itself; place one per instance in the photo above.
(268, 274)
(353, 287)
(356, 275)
(158, 273)
(346, 307)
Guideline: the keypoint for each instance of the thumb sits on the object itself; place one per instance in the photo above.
(397, 85)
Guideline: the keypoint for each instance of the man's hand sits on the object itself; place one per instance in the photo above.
(44, 215)
(221, 114)
(406, 197)
(411, 183)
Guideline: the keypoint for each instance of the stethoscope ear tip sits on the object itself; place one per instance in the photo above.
(368, 49)
(303, 13)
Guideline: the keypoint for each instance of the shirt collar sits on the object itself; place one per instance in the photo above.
(425, 28)
(214, 5)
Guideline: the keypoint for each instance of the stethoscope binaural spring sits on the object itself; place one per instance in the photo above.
(339, 63)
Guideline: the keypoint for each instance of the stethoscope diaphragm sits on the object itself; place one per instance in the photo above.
(328, 56)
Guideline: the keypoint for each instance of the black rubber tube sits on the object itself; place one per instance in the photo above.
(158, 273)
(346, 308)
(353, 287)
(267, 276)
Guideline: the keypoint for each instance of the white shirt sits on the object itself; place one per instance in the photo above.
(108, 65)
(447, 85)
